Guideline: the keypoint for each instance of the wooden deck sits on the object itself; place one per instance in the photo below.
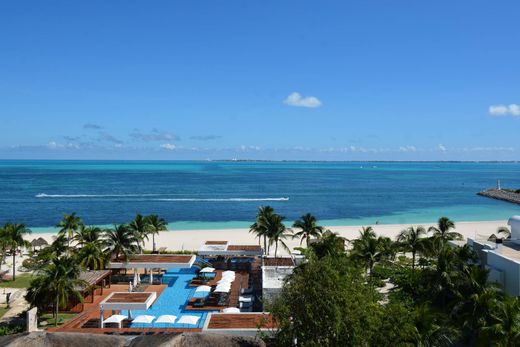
(91, 310)
(241, 321)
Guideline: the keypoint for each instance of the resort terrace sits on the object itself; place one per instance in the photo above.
(223, 248)
(153, 261)
(244, 324)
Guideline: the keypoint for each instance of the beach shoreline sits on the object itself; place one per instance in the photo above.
(192, 239)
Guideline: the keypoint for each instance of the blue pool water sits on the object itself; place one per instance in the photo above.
(173, 300)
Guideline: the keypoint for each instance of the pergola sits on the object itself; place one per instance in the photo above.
(119, 301)
(153, 261)
(223, 248)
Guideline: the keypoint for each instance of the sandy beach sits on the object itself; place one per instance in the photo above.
(192, 239)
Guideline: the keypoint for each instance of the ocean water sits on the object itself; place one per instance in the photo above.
(207, 195)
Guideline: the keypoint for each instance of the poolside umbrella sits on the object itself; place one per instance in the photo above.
(228, 273)
(231, 310)
(145, 319)
(192, 320)
(166, 319)
(135, 279)
(207, 269)
(222, 288)
(203, 289)
(117, 318)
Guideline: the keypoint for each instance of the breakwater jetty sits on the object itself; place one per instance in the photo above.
(502, 194)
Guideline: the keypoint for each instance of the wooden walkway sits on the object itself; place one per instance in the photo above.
(241, 321)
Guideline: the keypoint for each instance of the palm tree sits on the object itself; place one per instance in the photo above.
(309, 228)
(14, 234)
(442, 230)
(87, 234)
(329, 244)
(69, 225)
(4, 246)
(121, 240)
(505, 231)
(371, 249)
(155, 224)
(91, 256)
(505, 331)
(277, 232)
(56, 283)
(140, 226)
(411, 240)
(259, 227)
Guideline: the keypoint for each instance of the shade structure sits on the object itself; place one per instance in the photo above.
(166, 319)
(192, 320)
(117, 318)
(207, 269)
(231, 310)
(135, 279)
(228, 272)
(146, 319)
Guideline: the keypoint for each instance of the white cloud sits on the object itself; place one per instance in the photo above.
(168, 146)
(441, 147)
(407, 149)
(296, 99)
(504, 110)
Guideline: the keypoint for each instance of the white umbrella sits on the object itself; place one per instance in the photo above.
(207, 269)
(225, 280)
(231, 310)
(130, 287)
(203, 289)
(166, 318)
(117, 318)
(228, 273)
(222, 289)
(143, 319)
(135, 279)
(188, 320)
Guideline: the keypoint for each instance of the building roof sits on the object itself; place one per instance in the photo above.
(286, 261)
(142, 261)
(93, 277)
(128, 301)
(224, 248)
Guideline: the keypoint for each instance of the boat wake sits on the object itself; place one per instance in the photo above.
(151, 197)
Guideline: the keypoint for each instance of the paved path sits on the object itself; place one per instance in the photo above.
(17, 304)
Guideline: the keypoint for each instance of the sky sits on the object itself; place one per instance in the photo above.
(271, 80)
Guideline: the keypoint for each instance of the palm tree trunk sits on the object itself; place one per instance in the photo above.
(57, 311)
(153, 241)
(265, 245)
(14, 265)
(276, 249)
(413, 260)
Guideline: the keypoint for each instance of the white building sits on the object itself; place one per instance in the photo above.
(274, 272)
(502, 258)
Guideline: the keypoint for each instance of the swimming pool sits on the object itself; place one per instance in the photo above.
(173, 300)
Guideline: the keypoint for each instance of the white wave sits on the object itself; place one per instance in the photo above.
(43, 195)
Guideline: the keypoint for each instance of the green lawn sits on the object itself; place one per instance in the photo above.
(62, 318)
(22, 281)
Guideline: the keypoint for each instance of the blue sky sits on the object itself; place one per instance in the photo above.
(331, 80)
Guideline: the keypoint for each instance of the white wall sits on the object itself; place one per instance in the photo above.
(511, 270)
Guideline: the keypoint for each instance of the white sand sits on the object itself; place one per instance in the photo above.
(192, 239)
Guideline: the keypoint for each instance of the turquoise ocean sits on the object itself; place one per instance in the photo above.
(220, 194)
